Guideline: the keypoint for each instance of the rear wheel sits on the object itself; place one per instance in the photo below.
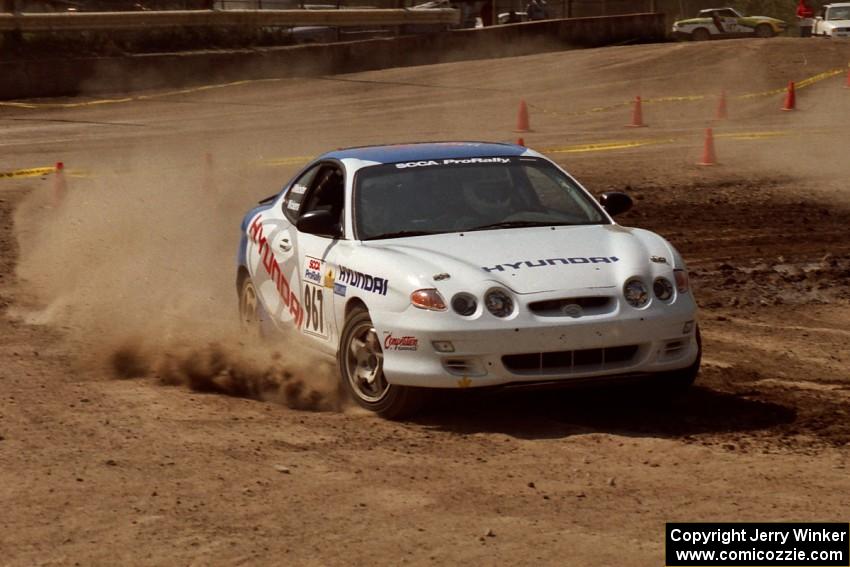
(361, 365)
(764, 30)
(249, 307)
(700, 34)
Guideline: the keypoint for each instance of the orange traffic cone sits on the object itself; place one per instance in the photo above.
(60, 187)
(520, 142)
(708, 155)
(721, 107)
(637, 115)
(522, 124)
(790, 98)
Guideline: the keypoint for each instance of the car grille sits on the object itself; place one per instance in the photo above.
(567, 361)
(593, 305)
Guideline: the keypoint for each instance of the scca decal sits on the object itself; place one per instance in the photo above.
(313, 272)
(551, 262)
(273, 270)
(452, 161)
(363, 281)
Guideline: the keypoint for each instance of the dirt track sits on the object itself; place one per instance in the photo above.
(103, 471)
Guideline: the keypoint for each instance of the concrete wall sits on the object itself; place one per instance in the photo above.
(99, 75)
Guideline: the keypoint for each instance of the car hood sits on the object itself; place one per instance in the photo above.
(531, 260)
(837, 23)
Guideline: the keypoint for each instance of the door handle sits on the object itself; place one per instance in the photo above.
(285, 245)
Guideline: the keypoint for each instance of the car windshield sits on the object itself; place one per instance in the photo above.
(462, 195)
(838, 14)
(726, 12)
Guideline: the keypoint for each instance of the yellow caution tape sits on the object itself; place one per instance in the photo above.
(606, 146)
(42, 171)
(30, 172)
(798, 85)
(34, 105)
(752, 135)
(294, 160)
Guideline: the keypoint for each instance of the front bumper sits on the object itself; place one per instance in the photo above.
(529, 348)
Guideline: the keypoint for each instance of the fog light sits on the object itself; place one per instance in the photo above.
(443, 346)
(687, 327)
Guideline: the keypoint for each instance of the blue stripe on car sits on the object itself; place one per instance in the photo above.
(426, 151)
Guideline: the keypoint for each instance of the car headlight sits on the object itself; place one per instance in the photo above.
(663, 288)
(428, 299)
(464, 304)
(499, 303)
(636, 293)
(683, 282)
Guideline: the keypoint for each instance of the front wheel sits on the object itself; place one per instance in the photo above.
(764, 30)
(675, 383)
(361, 366)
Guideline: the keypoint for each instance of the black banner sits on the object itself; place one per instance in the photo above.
(816, 544)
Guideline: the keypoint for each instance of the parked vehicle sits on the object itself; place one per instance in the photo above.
(833, 21)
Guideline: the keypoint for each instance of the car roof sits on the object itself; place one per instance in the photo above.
(837, 5)
(426, 151)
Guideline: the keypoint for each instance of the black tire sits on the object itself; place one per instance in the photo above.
(764, 30)
(700, 34)
(676, 383)
(360, 360)
(249, 307)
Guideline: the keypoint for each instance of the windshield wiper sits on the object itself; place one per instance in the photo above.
(517, 224)
(400, 234)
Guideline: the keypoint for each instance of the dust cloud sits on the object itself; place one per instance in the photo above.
(137, 266)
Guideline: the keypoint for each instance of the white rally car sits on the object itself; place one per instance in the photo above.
(833, 22)
(721, 23)
(446, 265)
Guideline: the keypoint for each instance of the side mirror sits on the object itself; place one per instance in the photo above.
(615, 202)
(320, 223)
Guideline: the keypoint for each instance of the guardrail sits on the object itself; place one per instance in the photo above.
(85, 21)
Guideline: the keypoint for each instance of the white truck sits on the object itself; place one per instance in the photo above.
(833, 21)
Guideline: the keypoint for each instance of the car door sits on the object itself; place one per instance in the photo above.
(316, 254)
(272, 255)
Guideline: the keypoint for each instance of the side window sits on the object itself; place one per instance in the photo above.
(295, 195)
(327, 192)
